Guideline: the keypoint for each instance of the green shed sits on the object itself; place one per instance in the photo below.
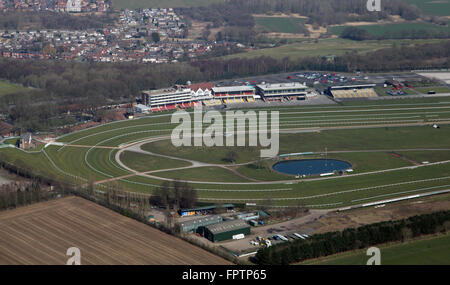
(226, 230)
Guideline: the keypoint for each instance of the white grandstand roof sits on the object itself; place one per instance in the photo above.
(354, 86)
(232, 89)
(281, 86)
(166, 91)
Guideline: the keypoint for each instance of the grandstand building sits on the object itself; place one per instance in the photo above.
(201, 91)
(282, 91)
(168, 99)
(352, 91)
(233, 94)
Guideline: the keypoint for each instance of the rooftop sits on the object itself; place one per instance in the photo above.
(227, 226)
(165, 91)
(354, 86)
(201, 220)
(210, 207)
(203, 86)
(232, 88)
(281, 86)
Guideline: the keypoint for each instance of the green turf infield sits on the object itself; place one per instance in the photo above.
(144, 162)
(333, 140)
(213, 174)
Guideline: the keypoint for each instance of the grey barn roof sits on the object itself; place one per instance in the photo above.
(227, 226)
(200, 221)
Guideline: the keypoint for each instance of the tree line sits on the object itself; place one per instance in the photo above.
(35, 20)
(17, 194)
(170, 195)
(359, 34)
(320, 245)
(175, 195)
(324, 12)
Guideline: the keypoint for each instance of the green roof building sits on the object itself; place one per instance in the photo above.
(226, 230)
(193, 225)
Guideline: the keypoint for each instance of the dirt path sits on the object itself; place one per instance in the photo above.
(413, 162)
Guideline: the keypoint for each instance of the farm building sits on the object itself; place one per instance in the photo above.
(205, 210)
(248, 216)
(193, 225)
(226, 230)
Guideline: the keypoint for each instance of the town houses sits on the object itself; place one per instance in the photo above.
(69, 6)
(163, 21)
(147, 36)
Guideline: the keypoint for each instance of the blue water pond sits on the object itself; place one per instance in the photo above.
(311, 166)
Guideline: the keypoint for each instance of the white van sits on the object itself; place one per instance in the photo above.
(299, 235)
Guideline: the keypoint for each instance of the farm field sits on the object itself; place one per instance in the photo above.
(10, 88)
(324, 47)
(424, 251)
(430, 7)
(42, 233)
(394, 29)
(281, 24)
(141, 4)
(364, 133)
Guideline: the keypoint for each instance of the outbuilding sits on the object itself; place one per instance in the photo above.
(233, 229)
(193, 225)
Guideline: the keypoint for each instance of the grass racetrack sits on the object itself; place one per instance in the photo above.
(364, 133)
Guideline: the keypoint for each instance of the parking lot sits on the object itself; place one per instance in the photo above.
(333, 78)
(286, 229)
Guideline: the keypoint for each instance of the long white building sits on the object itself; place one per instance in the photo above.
(167, 98)
(280, 91)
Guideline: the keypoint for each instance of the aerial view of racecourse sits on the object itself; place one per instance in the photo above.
(238, 139)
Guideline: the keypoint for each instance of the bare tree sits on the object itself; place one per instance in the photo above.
(232, 156)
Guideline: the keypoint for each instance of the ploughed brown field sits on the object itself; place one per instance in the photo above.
(42, 233)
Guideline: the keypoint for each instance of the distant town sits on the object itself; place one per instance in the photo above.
(148, 36)
(72, 6)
